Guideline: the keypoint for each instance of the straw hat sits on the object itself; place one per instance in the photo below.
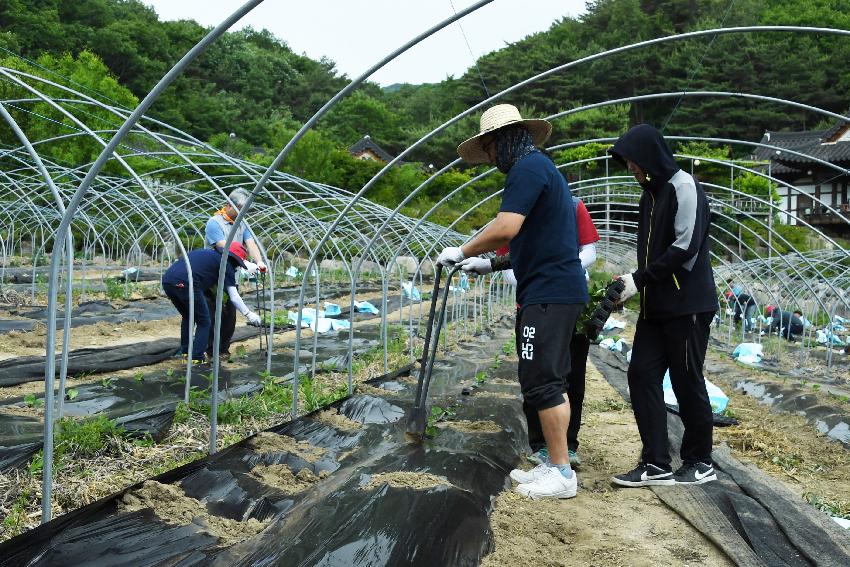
(494, 118)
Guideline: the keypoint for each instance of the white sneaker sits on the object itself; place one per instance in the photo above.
(551, 484)
(524, 477)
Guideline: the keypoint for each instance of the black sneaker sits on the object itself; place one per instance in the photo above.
(645, 475)
(695, 473)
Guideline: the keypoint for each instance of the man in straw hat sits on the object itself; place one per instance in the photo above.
(537, 219)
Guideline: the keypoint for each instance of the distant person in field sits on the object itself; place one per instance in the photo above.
(205, 264)
(787, 324)
(677, 304)
(537, 219)
(743, 307)
(215, 234)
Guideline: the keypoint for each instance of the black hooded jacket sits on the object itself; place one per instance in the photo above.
(674, 275)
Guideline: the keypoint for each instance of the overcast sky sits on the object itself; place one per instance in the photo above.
(358, 34)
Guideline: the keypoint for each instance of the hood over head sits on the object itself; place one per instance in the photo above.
(645, 146)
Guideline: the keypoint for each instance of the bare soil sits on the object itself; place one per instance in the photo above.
(602, 526)
(334, 419)
(268, 442)
(32, 343)
(172, 506)
(405, 479)
(483, 426)
(282, 478)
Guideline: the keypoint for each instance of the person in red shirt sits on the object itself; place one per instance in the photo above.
(574, 385)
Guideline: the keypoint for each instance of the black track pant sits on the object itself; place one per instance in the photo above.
(679, 344)
(228, 324)
(574, 387)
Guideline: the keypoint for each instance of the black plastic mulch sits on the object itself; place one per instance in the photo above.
(146, 405)
(335, 522)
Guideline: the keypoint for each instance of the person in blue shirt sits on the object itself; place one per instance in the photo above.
(205, 265)
(537, 219)
(215, 234)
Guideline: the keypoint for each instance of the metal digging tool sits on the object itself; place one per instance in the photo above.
(417, 420)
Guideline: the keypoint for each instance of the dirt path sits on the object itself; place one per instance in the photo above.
(602, 526)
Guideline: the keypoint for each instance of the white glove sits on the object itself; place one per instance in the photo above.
(261, 266)
(253, 319)
(510, 276)
(630, 290)
(476, 265)
(250, 268)
(450, 256)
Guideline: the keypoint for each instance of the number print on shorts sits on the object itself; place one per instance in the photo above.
(527, 347)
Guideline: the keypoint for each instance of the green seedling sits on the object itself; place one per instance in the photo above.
(169, 372)
(241, 352)
(431, 429)
(72, 394)
(139, 376)
(480, 377)
(497, 362)
(729, 412)
(144, 441)
(32, 401)
(14, 522)
(37, 464)
(106, 382)
(832, 506)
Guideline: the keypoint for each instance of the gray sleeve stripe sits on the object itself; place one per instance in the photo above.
(686, 213)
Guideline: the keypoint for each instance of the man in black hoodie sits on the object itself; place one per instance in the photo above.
(678, 302)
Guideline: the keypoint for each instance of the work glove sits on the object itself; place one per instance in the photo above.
(510, 276)
(476, 265)
(630, 290)
(253, 319)
(450, 256)
(250, 268)
(262, 266)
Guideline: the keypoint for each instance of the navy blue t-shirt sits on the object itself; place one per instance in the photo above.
(204, 264)
(544, 254)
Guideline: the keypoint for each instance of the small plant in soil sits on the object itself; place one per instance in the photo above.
(787, 462)
(170, 372)
(241, 352)
(832, 506)
(145, 441)
(139, 376)
(32, 401)
(431, 429)
(497, 362)
(480, 377)
(72, 394)
(729, 412)
(508, 348)
(106, 382)
(17, 516)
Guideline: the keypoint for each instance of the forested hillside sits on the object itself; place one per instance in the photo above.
(252, 84)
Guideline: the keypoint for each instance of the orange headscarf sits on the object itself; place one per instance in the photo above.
(223, 213)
